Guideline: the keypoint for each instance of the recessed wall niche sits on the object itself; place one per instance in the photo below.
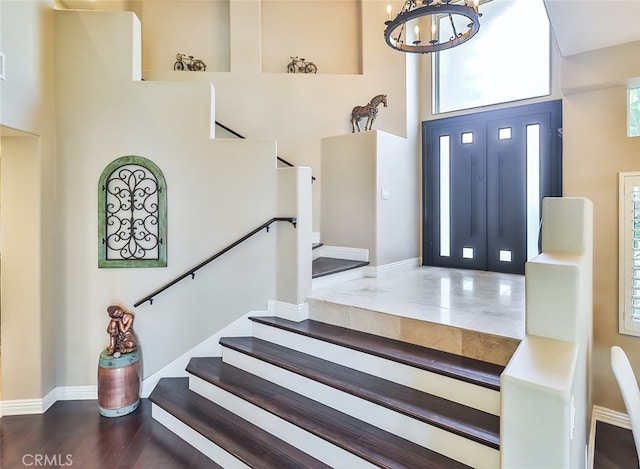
(325, 32)
(193, 27)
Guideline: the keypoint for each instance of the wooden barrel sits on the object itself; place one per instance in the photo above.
(118, 383)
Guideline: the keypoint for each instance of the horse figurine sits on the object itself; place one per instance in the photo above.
(370, 111)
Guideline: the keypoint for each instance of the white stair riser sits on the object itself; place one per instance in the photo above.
(301, 439)
(455, 390)
(436, 439)
(195, 439)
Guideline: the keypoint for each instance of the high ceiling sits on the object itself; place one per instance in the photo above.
(584, 25)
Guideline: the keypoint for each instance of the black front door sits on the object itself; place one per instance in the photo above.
(484, 178)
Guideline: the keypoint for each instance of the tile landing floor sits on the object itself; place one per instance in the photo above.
(475, 300)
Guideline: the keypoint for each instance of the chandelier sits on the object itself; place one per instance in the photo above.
(463, 23)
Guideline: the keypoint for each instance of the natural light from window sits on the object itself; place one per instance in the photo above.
(634, 113)
(508, 60)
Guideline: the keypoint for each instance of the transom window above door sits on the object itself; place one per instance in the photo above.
(508, 60)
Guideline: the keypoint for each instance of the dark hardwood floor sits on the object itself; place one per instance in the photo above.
(327, 265)
(74, 434)
(614, 448)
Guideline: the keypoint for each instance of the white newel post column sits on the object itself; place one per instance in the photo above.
(294, 244)
(545, 387)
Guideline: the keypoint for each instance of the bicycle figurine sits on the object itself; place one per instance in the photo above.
(187, 61)
(298, 64)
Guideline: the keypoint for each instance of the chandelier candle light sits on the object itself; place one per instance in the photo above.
(463, 16)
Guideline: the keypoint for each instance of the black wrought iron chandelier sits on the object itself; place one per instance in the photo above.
(463, 23)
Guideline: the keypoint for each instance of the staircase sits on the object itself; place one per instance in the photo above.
(330, 267)
(310, 394)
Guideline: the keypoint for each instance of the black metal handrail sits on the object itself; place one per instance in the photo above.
(280, 159)
(192, 272)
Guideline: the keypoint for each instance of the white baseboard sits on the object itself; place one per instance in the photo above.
(392, 268)
(23, 407)
(29, 406)
(315, 237)
(77, 393)
(337, 252)
(289, 311)
(603, 414)
(613, 417)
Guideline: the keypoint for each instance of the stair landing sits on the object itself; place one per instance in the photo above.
(475, 314)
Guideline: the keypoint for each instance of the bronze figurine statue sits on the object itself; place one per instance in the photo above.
(370, 111)
(120, 329)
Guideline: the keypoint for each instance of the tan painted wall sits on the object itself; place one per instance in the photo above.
(28, 225)
(356, 169)
(283, 106)
(596, 148)
(301, 109)
(218, 191)
(93, 129)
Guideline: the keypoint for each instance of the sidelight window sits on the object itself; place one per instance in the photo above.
(633, 113)
(629, 253)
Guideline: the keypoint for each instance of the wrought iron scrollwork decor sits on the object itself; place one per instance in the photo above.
(132, 198)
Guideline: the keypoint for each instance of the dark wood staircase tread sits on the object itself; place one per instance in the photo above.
(455, 366)
(328, 265)
(462, 420)
(366, 441)
(247, 442)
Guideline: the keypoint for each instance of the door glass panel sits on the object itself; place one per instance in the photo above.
(633, 114)
(445, 215)
(533, 189)
(482, 201)
(505, 256)
(504, 134)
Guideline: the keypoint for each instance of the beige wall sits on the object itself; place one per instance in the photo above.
(356, 168)
(596, 148)
(297, 110)
(197, 28)
(325, 32)
(349, 199)
(218, 191)
(28, 226)
(99, 118)
(301, 109)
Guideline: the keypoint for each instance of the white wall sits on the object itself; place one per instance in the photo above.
(544, 388)
(397, 215)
